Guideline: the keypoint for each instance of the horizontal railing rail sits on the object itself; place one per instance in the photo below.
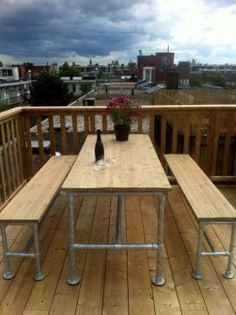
(206, 132)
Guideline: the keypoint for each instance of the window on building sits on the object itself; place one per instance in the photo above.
(149, 74)
(164, 63)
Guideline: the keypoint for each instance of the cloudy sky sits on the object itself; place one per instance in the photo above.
(43, 31)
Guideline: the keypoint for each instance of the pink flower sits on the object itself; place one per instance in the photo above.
(122, 110)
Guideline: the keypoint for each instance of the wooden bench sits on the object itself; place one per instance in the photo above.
(207, 204)
(30, 204)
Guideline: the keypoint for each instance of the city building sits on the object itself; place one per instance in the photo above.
(230, 78)
(14, 93)
(9, 74)
(28, 71)
(74, 84)
(154, 68)
(184, 69)
(12, 90)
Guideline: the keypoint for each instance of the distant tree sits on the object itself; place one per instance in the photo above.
(4, 106)
(1, 64)
(115, 63)
(68, 71)
(195, 80)
(85, 87)
(49, 90)
(216, 78)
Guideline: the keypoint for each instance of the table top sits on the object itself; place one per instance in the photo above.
(136, 167)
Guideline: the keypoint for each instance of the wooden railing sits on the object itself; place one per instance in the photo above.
(195, 96)
(11, 163)
(207, 132)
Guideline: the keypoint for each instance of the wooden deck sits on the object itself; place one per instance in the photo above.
(119, 282)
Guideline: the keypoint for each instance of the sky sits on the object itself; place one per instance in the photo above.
(42, 31)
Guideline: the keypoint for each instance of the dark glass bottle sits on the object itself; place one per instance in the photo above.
(99, 148)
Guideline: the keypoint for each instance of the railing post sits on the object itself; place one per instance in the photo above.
(212, 142)
(152, 128)
(25, 145)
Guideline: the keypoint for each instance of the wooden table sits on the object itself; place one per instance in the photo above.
(136, 170)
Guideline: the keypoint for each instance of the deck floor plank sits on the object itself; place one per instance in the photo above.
(115, 299)
(66, 296)
(119, 282)
(189, 294)
(34, 312)
(140, 291)
(21, 286)
(42, 294)
(92, 284)
(210, 286)
(15, 263)
(165, 298)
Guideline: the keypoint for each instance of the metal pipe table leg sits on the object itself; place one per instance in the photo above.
(159, 279)
(8, 274)
(73, 279)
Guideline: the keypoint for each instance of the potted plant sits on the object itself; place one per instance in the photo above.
(123, 112)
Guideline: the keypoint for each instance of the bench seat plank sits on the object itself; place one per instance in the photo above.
(206, 201)
(36, 196)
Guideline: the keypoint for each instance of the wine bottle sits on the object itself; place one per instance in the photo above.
(99, 148)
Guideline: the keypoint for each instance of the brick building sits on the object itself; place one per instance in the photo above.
(28, 71)
(184, 70)
(154, 68)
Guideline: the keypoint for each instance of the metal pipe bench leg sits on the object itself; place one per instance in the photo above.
(8, 274)
(197, 274)
(228, 274)
(38, 274)
(159, 279)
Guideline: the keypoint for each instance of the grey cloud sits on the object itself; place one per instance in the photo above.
(56, 27)
(220, 3)
(51, 29)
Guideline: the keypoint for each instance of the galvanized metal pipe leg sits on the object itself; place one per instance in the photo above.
(38, 276)
(159, 279)
(197, 274)
(73, 279)
(8, 274)
(228, 273)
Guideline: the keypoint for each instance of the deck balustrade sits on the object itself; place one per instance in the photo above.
(206, 132)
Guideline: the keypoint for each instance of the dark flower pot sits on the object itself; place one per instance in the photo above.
(122, 132)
